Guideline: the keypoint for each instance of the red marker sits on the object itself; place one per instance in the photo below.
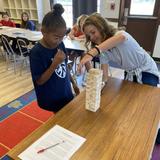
(44, 149)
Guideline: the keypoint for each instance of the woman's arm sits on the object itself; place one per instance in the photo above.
(107, 44)
(72, 32)
(112, 42)
(81, 37)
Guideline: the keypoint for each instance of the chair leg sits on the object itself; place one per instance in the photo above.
(21, 67)
(15, 63)
(74, 77)
(2, 52)
(110, 71)
(70, 67)
(7, 61)
(75, 65)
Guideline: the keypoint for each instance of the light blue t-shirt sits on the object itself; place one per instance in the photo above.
(130, 56)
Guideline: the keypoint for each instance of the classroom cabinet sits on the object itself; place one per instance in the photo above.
(33, 7)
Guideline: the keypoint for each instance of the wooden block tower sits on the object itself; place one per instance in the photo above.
(93, 89)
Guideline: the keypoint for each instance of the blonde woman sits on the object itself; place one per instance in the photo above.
(76, 31)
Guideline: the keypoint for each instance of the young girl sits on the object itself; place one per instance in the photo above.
(76, 31)
(121, 48)
(6, 20)
(26, 23)
(48, 61)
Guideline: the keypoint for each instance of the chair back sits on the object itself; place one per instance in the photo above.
(6, 44)
(22, 44)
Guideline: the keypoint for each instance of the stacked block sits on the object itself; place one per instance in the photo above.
(93, 89)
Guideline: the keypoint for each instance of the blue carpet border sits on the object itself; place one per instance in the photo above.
(17, 104)
(6, 157)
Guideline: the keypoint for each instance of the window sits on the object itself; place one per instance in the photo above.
(67, 15)
(142, 7)
(98, 6)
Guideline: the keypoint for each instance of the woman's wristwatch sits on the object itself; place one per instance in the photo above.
(98, 51)
(90, 54)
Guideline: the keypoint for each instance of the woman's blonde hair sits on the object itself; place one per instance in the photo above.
(80, 19)
(102, 25)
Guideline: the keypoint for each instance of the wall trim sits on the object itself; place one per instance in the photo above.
(112, 19)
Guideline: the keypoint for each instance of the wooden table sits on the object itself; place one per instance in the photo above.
(124, 128)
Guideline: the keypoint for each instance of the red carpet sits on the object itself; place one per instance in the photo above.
(3, 150)
(20, 124)
(36, 112)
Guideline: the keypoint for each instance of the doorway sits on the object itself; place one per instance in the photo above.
(141, 20)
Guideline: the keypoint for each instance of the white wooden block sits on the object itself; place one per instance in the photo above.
(93, 89)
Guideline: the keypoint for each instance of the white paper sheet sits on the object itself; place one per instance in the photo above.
(66, 144)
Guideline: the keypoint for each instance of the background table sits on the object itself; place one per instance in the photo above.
(12, 32)
(76, 45)
(37, 35)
